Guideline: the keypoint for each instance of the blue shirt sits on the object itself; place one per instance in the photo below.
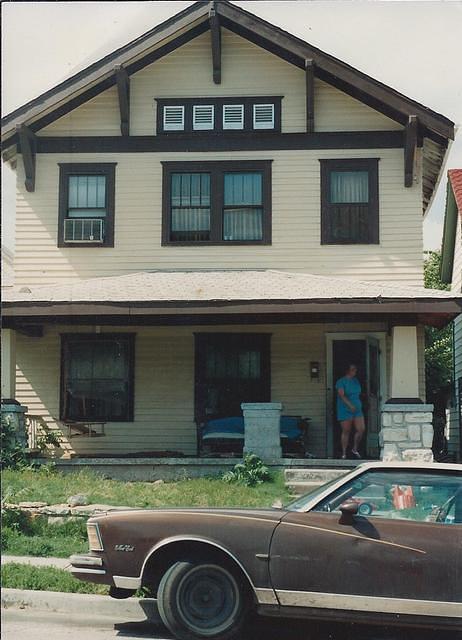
(352, 390)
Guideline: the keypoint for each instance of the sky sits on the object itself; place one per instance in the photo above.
(413, 46)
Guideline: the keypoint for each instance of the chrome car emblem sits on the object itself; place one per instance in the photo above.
(124, 547)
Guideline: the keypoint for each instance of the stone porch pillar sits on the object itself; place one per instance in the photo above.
(407, 430)
(262, 429)
(8, 363)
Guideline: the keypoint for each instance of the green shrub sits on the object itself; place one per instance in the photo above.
(250, 472)
(12, 454)
(17, 520)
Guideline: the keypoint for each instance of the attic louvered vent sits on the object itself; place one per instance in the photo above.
(233, 116)
(263, 116)
(174, 118)
(203, 117)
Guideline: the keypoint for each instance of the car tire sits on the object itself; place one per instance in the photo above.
(199, 600)
(365, 509)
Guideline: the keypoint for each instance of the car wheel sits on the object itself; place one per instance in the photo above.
(202, 600)
(365, 509)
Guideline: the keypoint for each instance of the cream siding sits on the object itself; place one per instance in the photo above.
(456, 412)
(247, 70)
(295, 222)
(164, 383)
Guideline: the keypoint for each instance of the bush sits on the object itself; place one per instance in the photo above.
(12, 454)
(250, 472)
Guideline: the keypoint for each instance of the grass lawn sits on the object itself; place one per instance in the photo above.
(55, 488)
(22, 576)
(22, 536)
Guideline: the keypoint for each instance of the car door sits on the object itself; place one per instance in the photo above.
(316, 561)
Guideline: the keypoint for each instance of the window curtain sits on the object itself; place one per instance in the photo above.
(243, 212)
(87, 196)
(190, 202)
(349, 187)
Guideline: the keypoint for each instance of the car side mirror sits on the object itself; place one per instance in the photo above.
(348, 510)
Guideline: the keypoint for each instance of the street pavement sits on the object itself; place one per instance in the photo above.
(20, 624)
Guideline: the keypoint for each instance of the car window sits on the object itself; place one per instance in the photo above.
(404, 495)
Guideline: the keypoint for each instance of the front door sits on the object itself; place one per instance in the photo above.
(364, 352)
(231, 368)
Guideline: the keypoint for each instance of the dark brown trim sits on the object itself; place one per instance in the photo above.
(309, 87)
(224, 141)
(218, 102)
(123, 93)
(28, 146)
(130, 340)
(371, 165)
(410, 146)
(98, 168)
(216, 169)
(214, 22)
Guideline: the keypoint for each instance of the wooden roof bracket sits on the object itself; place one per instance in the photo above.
(215, 30)
(309, 77)
(123, 91)
(28, 145)
(410, 146)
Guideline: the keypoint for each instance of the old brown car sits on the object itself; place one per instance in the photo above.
(317, 557)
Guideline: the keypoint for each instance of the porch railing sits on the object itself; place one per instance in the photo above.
(36, 429)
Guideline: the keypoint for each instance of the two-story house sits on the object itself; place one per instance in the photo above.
(220, 213)
(451, 273)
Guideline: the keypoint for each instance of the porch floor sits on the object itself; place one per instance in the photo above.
(151, 469)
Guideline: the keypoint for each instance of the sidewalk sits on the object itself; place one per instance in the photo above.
(58, 563)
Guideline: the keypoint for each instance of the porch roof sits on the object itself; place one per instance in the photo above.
(196, 292)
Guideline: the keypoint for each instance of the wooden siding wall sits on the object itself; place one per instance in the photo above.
(296, 221)
(164, 383)
(454, 428)
(246, 70)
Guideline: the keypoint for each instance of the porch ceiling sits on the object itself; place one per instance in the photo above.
(227, 293)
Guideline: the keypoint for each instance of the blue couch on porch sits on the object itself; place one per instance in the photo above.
(227, 434)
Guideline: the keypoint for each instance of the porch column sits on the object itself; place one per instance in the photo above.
(404, 364)
(8, 363)
(407, 430)
(262, 429)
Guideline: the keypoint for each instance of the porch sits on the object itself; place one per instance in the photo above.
(155, 372)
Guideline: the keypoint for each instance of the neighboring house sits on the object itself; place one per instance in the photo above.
(219, 213)
(451, 272)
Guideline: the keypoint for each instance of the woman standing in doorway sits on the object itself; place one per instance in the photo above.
(349, 410)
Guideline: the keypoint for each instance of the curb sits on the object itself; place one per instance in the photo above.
(135, 609)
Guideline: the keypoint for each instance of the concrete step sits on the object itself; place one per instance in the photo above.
(319, 476)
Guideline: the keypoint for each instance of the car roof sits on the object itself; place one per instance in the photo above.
(424, 466)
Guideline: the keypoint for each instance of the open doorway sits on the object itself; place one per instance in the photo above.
(365, 352)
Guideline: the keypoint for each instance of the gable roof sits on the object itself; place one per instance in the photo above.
(190, 23)
(434, 130)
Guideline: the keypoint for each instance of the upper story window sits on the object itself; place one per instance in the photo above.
(188, 115)
(86, 205)
(217, 202)
(349, 201)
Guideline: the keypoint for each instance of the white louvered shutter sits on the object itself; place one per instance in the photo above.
(233, 116)
(263, 116)
(174, 118)
(203, 117)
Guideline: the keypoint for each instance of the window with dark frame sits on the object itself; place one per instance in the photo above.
(217, 202)
(258, 114)
(86, 205)
(349, 201)
(97, 377)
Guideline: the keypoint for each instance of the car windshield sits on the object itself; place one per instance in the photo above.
(404, 495)
(300, 503)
